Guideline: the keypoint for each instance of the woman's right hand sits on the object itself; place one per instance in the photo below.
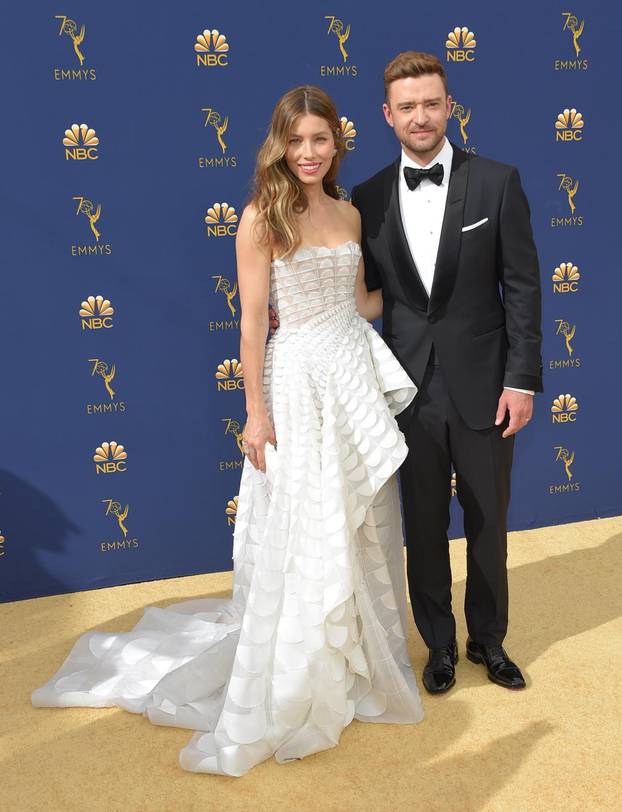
(257, 432)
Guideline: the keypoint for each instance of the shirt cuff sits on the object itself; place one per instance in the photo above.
(524, 391)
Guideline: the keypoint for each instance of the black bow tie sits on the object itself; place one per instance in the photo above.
(415, 176)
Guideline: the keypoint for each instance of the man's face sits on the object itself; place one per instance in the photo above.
(418, 110)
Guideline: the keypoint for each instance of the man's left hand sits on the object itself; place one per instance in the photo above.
(520, 407)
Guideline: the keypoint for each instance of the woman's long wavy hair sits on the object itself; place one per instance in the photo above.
(278, 195)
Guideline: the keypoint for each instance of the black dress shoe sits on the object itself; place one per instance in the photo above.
(440, 672)
(499, 666)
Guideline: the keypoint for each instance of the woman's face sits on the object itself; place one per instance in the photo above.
(310, 149)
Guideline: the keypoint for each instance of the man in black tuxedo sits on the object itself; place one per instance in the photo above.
(447, 236)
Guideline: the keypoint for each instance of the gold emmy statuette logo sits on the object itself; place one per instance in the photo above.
(223, 285)
(229, 375)
(114, 509)
(2, 540)
(96, 313)
(463, 117)
(336, 27)
(106, 373)
(70, 28)
(221, 220)
(564, 329)
(570, 187)
(564, 409)
(566, 278)
(343, 193)
(460, 44)
(80, 143)
(572, 24)
(231, 511)
(349, 133)
(110, 458)
(566, 458)
(220, 124)
(212, 49)
(569, 126)
(454, 484)
(86, 207)
(233, 427)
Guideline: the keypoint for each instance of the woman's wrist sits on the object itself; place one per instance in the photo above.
(256, 411)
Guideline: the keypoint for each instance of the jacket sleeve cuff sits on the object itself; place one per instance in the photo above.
(531, 383)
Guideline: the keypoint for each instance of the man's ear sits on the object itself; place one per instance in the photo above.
(387, 114)
(448, 110)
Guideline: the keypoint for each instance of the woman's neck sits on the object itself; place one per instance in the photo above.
(316, 196)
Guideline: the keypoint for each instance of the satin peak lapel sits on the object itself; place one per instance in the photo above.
(403, 262)
(451, 232)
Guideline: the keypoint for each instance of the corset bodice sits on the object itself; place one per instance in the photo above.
(313, 280)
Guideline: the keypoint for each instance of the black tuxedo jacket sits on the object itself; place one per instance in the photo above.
(483, 314)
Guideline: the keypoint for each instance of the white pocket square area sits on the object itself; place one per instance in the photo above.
(475, 225)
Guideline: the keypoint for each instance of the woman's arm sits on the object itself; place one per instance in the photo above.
(253, 261)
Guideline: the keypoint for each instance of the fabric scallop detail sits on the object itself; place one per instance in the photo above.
(314, 634)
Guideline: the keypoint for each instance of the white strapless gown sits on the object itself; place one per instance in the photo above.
(315, 634)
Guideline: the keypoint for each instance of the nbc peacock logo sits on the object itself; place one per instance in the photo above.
(566, 278)
(212, 49)
(96, 313)
(569, 125)
(229, 375)
(460, 45)
(80, 142)
(231, 511)
(221, 220)
(348, 130)
(110, 458)
(564, 409)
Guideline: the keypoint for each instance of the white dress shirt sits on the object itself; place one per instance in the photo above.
(422, 211)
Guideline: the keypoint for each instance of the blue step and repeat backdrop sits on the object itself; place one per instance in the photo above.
(129, 141)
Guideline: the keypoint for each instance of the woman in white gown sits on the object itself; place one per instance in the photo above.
(315, 634)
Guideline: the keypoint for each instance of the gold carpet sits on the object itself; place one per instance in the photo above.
(554, 746)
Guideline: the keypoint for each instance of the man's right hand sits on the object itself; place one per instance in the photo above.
(274, 320)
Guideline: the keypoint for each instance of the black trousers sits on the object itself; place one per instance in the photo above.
(437, 437)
